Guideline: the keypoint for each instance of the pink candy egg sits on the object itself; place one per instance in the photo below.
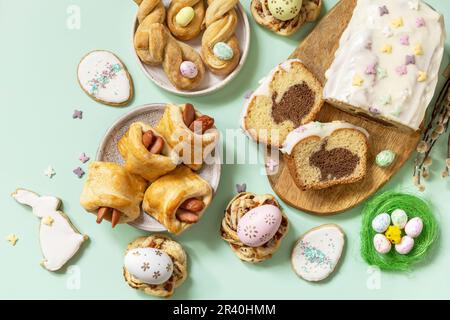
(259, 225)
(188, 69)
(414, 227)
(405, 245)
(381, 243)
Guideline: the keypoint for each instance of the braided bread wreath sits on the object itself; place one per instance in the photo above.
(236, 209)
(309, 12)
(175, 252)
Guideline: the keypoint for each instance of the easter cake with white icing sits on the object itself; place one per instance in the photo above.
(321, 155)
(388, 61)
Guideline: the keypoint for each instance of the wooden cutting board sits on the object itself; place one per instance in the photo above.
(317, 52)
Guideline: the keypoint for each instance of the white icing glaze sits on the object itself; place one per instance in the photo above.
(317, 253)
(318, 129)
(264, 87)
(59, 240)
(104, 77)
(400, 98)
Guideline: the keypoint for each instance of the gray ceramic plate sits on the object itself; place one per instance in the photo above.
(150, 113)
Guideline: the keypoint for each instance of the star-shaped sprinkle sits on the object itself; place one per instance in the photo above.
(414, 4)
(386, 100)
(383, 10)
(241, 187)
(422, 76)
(271, 165)
(371, 68)
(49, 172)
(78, 172)
(48, 221)
(84, 158)
(418, 51)
(77, 114)
(374, 110)
(401, 70)
(248, 94)
(397, 23)
(368, 45)
(387, 48)
(387, 31)
(357, 81)
(420, 22)
(12, 239)
(410, 59)
(381, 73)
(404, 40)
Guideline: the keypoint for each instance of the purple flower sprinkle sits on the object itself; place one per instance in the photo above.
(79, 172)
(77, 114)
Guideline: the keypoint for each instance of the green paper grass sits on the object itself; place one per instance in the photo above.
(414, 207)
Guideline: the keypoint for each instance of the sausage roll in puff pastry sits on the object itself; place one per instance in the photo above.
(112, 193)
(146, 153)
(189, 133)
(178, 199)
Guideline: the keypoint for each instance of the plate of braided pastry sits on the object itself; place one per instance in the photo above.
(191, 47)
(157, 169)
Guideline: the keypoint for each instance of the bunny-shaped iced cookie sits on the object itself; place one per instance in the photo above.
(59, 239)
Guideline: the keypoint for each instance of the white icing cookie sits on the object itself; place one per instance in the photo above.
(105, 78)
(317, 252)
(59, 240)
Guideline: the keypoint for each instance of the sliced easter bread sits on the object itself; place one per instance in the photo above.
(321, 155)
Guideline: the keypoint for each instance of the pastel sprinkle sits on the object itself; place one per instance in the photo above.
(387, 31)
(77, 114)
(48, 221)
(368, 45)
(49, 172)
(404, 40)
(271, 165)
(374, 110)
(401, 70)
(241, 187)
(371, 69)
(418, 51)
(383, 10)
(413, 4)
(420, 22)
(84, 158)
(12, 239)
(386, 100)
(410, 59)
(422, 76)
(357, 81)
(78, 172)
(387, 48)
(381, 73)
(397, 23)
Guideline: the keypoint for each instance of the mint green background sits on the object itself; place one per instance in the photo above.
(38, 93)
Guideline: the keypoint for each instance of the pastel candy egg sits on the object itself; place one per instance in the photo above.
(381, 243)
(188, 69)
(149, 265)
(399, 218)
(381, 222)
(184, 16)
(284, 9)
(405, 246)
(259, 225)
(385, 158)
(223, 51)
(414, 227)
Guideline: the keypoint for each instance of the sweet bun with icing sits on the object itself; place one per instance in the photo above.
(321, 155)
(288, 97)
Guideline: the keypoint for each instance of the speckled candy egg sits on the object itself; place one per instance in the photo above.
(414, 227)
(149, 265)
(223, 51)
(381, 222)
(188, 69)
(259, 225)
(284, 9)
(381, 243)
(399, 218)
(405, 246)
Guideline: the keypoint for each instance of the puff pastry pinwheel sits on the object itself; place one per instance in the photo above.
(155, 45)
(262, 245)
(285, 17)
(112, 193)
(185, 18)
(176, 269)
(220, 47)
(189, 133)
(178, 199)
(146, 152)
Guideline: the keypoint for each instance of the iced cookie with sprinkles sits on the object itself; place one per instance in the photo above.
(387, 63)
(317, 253)
(104, 78)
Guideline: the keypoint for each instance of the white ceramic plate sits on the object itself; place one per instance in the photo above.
(150, 113)
(211, 82)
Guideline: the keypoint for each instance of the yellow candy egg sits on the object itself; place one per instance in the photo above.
(285, 9)
(393, 234)
(185, 16)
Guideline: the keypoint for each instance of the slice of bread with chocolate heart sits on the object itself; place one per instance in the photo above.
(288, 97)
(321, 155)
